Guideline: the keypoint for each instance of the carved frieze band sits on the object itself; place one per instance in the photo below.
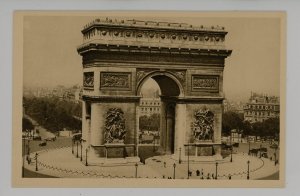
(88, 80)
(205, 83)
(115, 80)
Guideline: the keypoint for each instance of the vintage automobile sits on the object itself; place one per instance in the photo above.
(43, 143)
(76, 137)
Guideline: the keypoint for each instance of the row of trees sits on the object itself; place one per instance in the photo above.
(267, 128)
(53, 114)
(27, 125)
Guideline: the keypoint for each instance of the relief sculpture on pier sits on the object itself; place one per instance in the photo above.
(203, 125)
(115, 126)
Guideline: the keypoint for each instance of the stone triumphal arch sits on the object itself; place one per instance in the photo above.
(187, 62)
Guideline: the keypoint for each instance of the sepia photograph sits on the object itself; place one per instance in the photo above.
(149, 99)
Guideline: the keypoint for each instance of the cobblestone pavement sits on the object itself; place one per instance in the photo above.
(60, 162)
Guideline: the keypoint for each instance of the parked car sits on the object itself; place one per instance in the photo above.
(236, 145)
(50, 136)
(77, 137)
(264, 154)
(38, 138)
(43, 143)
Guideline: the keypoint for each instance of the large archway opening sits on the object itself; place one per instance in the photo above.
(157, 111)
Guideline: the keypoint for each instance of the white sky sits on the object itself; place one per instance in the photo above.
(50, 56)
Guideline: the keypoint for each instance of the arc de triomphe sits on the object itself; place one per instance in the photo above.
(187, 62)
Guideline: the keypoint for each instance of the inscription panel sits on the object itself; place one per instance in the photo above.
(115, 80)
(208, 83)
(88, 80)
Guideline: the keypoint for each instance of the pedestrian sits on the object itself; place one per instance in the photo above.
(208, 176)
(198, 173)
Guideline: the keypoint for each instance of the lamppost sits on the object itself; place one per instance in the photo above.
(188, 172)
(80, 150)
(249, 146)
(86, 157)
(77, 149)
(174, 165)
(231, 153)
(23, 156)
(179, 156)
(260, 151)
(36, 161)
(231, 148)
(28, 148)
(248, 162)
(275, 162)
(136, 167)
(154, 144)
(73, 146)
(216, 170)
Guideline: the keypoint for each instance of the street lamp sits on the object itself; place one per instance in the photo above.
(260, 151)
(188, 162)
(80, 150)
(28, 148)
(77, 149)
(73, 146)
(249, 146)
(216, 170)
(248, 162)
(36, 168)
(231, 154)
(86, 157)
(179, 156)
(23, 157)
(174, 165)
(136, 167)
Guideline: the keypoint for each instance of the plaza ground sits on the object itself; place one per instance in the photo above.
(56, 159)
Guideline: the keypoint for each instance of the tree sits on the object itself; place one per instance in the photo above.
(27, 125)
(247, 128)
(257, 129)
(271, 127)
(54, 114)
(231, 120)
